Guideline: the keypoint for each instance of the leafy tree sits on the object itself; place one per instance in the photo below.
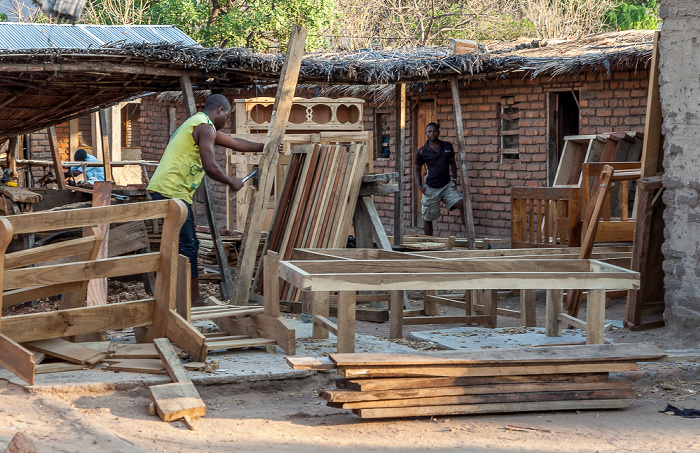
(263, 25)
(634, 15)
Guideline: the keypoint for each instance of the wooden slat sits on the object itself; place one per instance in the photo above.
(71, 352)
(151, 366)
(186, 337)
(77, 321)
(535, 406)
(239, 344)
(18, 296)
(16, 358)
(177, 400)
(82, 270)
(37, 255)
(326, 323)
(170, 360)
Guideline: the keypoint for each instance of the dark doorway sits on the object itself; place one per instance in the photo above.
(563, 120)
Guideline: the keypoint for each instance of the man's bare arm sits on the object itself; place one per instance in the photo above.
(453, 170)
(417, 177)
(205, 137)
(237, 144)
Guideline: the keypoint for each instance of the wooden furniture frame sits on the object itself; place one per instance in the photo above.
(22, 282)
(545, 217)
(347, 277)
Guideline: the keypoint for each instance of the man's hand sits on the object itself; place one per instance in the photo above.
(236, 184)
(456, 181)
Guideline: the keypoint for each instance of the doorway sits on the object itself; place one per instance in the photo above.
(424, 113)
(563, 120)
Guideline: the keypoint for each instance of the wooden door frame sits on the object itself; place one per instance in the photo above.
(552, 155)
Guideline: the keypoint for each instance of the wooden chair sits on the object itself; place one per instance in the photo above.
(545, 217)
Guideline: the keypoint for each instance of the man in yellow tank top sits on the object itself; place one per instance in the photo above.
(187, 158)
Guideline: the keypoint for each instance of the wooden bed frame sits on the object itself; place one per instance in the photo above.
(418, 273)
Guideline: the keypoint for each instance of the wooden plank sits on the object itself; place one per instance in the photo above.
(76, 298)
(385, 384)
(18, 296)
(239, 344)
(502, 370)
(183, 296)
(17, 359)
(151, 366)
(350, 396)
(268, 165)
(399, 158)
(58, 367)
(462, 146)
(82, 270)
(177, 400)
(523, 356)
(34, 222)
(70, 352)
(326, 323)
(506, 397)
(271, 282)
(76, 321)
(535, 406)
(310, 363)
(276, 329)
(97, 288)
(186, 337)
(652, 152)
(170, 360)
(106, 150)
(56, 158)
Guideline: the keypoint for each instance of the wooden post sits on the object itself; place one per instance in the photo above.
(595, 317)
(462, 146)
(651, 150)
(346, 321)
(400, 144)
(555, 305)
(97, 289)
(320, 306)
(56, 157)
(396, 314)
(115, 143)
(106, 156)
(268, 165)
(188, 94)
(271, 282)
(12, 155)
(72, 138)
(527, 308)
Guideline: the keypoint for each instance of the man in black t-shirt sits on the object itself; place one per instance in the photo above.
(438, 157)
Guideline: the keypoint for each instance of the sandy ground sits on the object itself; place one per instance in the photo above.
(287, 416)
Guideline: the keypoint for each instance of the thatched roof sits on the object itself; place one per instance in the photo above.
(41, 87)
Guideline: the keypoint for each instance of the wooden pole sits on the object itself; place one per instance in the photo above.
(97, 289)
(56, 157)
(268, 165)
(461, 144)
(651, 150)
(400, 141)
(106, 156)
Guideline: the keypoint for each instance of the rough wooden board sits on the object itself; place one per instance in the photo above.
(171, 361)
(457, 371)
(17, 359)
(310, 363)
(176, 400)
(141, 351)
(70, 352)
(531, 355)
(186, 336)
(128, 237)
(152, 366)
(56, 367)
(492, 408)
(347, 396)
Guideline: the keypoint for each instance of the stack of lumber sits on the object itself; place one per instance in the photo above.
(484, 381)
(316, 203)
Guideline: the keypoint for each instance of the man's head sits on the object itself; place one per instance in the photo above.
(218, 109)
(432, 131)
(80, 155)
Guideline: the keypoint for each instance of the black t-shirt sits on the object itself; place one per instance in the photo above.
(437, 163)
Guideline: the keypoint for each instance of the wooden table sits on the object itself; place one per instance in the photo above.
(489, 275)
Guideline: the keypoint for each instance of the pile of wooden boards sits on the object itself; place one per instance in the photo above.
(316, 203)
(57, 355)
(483, 381)
(207, 254)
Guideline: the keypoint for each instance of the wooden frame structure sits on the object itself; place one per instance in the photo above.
(347, 277)
(22, 282)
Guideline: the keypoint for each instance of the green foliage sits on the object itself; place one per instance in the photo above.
(263, 25)
(635, 15)
(3, 17)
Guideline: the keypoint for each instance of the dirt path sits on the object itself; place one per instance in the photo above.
(286, 416)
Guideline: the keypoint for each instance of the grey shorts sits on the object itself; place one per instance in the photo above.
(430, 203)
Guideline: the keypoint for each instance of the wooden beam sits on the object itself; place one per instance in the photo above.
(106, 156)
(651, 150)
(171, 361)
(399, 162)
(268, 166)
(72, 138)
(97, 289)
(17, 359)
(462, 148)
(56, 157)
(186, 337)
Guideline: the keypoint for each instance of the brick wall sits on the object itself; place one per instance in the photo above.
(608, 103)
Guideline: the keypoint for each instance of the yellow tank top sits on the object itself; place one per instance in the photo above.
(180, 170)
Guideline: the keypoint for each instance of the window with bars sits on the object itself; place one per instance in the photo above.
(131, 125)
(509, 132)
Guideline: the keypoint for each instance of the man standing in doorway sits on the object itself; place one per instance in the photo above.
(438, 157)
(187, 158)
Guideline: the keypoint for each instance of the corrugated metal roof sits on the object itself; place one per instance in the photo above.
(23, 36)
